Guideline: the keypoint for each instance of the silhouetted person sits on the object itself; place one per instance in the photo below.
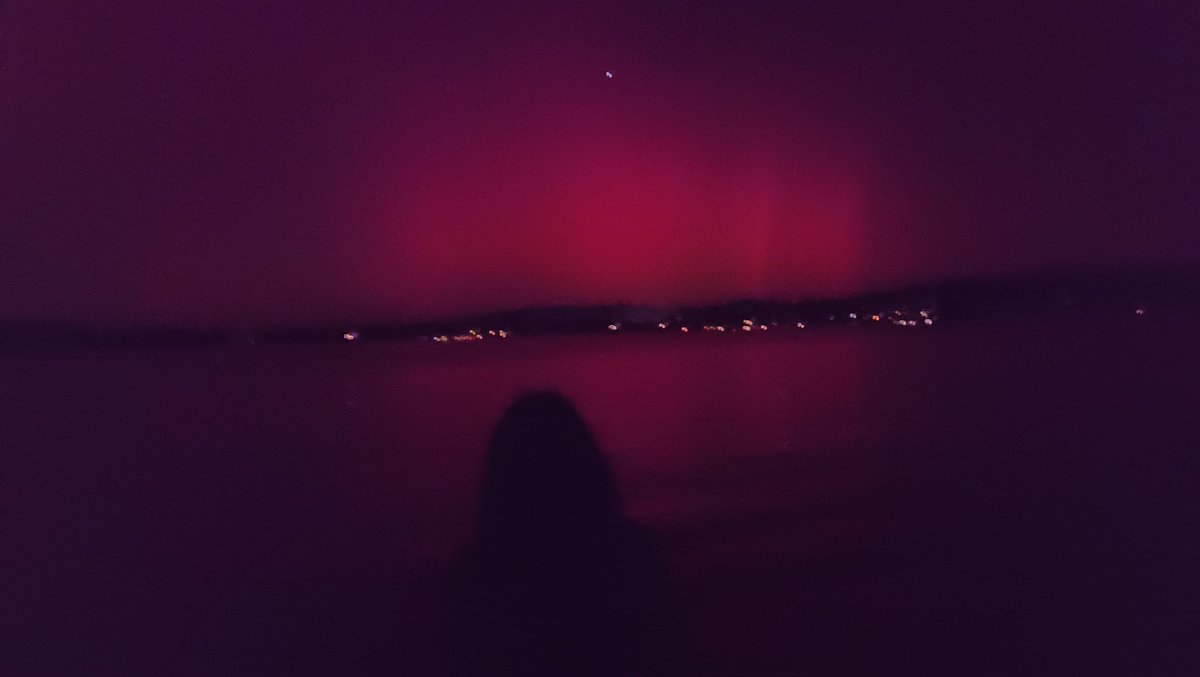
(558, 582)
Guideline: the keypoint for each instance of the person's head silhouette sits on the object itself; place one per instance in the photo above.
(545, 472)
(559, 581)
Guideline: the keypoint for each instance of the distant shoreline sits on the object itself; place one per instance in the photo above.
(1059, 293)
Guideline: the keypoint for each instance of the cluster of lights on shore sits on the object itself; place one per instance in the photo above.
(748, 325)
(472, 335)
(897, 317)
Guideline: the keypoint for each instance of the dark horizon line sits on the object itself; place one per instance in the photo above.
(1182, 278)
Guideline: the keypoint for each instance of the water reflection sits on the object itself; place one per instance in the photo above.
(1013, 500)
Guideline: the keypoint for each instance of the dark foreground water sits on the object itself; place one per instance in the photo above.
(976, 500)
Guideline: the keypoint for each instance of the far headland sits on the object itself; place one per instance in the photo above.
(1141, 293)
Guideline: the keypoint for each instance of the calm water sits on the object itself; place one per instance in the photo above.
(983, 500)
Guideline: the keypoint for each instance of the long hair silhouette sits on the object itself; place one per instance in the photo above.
(558, 581)
(545, 474)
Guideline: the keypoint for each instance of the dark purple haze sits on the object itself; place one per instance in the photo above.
(206, 162)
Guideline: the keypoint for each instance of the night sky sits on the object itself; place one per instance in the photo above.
(215, 163)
